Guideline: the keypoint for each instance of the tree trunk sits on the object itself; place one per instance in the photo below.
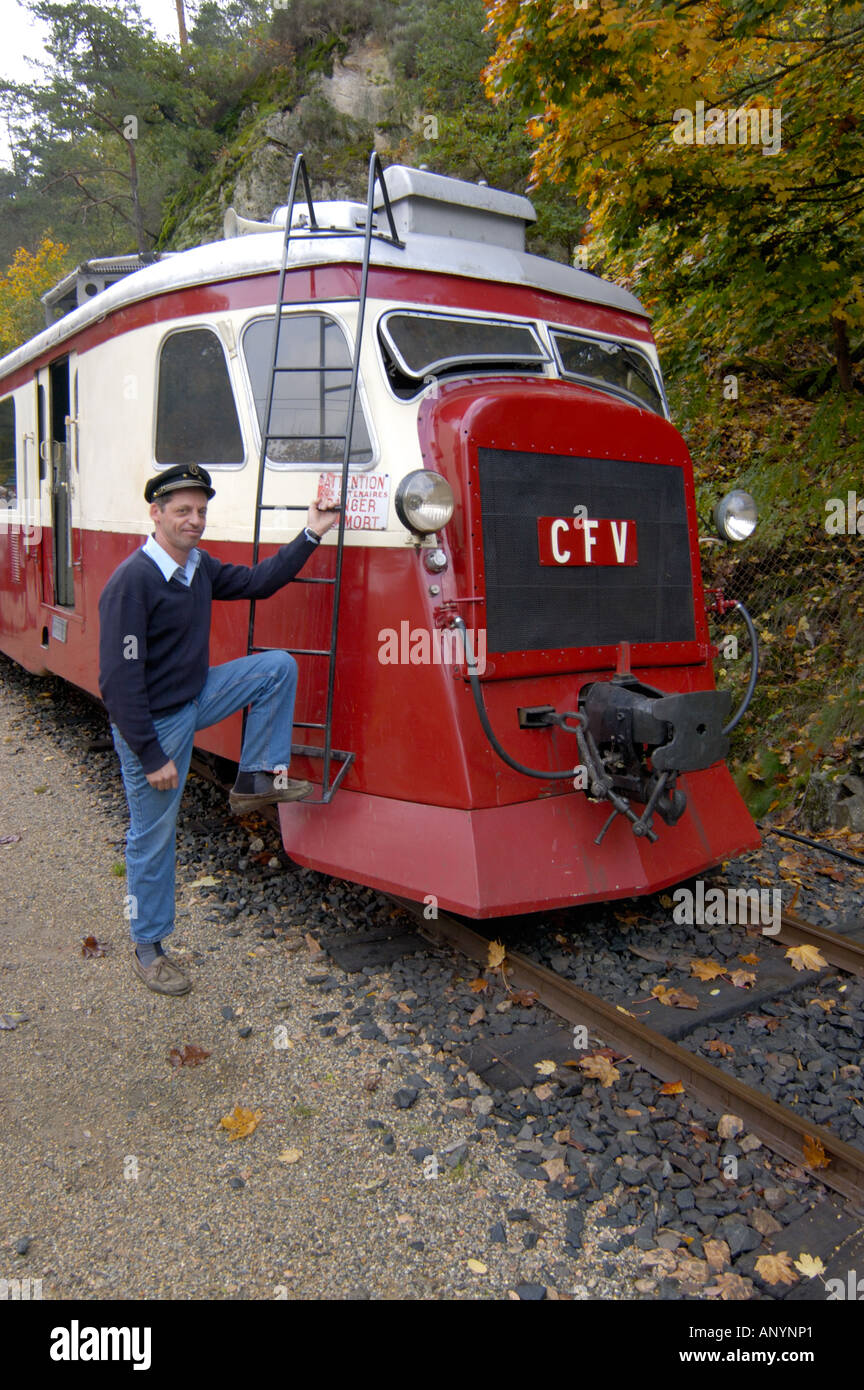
(841, 354)
(181, 23)
(136, 201)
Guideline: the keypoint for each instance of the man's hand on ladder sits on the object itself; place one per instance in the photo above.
(320, 519)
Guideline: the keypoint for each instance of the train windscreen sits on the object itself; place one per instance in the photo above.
(613, 366)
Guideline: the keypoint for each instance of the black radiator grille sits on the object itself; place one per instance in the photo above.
(532, 606)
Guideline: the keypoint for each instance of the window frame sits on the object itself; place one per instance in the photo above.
(208, 327)
(620, 392)
(10, 398)
(312, 465)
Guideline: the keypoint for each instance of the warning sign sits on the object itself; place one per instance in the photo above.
(368, 502)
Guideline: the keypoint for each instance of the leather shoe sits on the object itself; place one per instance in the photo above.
(252, 790)
(163, 976)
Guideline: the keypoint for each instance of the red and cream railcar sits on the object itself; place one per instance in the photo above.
(563, 535)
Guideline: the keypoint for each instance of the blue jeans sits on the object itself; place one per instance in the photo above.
(267, 682)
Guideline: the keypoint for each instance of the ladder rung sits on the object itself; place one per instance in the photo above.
(315, 369)
(311, 581)
(284, 507)
(307, 750)
(299, 724)
(295, 651)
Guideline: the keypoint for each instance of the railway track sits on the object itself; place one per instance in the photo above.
(780, 1128)
(785, 1132)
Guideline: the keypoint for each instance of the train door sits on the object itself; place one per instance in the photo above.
(56, 467)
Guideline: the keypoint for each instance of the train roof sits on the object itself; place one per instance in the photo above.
(449, 226)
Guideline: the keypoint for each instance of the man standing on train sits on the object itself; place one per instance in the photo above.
(158, 687)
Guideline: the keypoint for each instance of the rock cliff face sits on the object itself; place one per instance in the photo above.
(335, 119)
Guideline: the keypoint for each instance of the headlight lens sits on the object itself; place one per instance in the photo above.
(735, 516)
(424, 501)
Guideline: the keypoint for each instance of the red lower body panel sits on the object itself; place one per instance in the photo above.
(526, 857)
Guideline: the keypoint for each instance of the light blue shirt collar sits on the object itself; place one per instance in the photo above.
(170, 567)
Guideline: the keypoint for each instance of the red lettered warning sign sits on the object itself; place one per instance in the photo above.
(368, 502)
(567, 540)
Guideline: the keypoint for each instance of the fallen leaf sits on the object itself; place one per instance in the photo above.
(477, 1016)
(729, 1125)
(764, 1222)
(190, 1056)
(601, 1069)
(91, 947)
(717, 1254)
(718, 1045)
(241, 1122)
(555, 1167)
(706, 969)
(814, 1153)
(809, 1265)
(672, 1088)
(776, 1269)
(806, 957)
(742, 979)
(525, 998)
(290, 1156)
(477, 1267)
(207, 882)
(826, 1004)
(675, 997)
(750, 959)
(730, 1287)
(546, 1068)
(497, 954)
(478, 986)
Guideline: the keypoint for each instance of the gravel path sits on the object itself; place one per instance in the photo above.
(114, 1165)
(381, 1166)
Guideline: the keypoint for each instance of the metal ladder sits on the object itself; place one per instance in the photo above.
(329, 754)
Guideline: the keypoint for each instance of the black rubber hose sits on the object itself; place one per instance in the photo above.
(754, 670)
(476, 691)
(814, 844)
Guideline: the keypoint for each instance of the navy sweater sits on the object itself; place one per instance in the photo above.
(154, 637)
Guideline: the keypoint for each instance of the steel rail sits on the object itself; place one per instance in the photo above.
(837, 950)
(780, 1129)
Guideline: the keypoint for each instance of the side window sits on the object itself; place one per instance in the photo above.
(310, 398)
(8, 481)
(196, 417)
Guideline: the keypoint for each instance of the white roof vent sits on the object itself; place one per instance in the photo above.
(434, 205)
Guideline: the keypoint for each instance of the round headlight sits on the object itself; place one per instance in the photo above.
(424, 501)
(735, 516)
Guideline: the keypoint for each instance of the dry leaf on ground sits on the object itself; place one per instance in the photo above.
(290, 1156)
(729, 1125)
(672, 1088)
(776, 1269)
(601, 1069)
(809, 1265)
(546, 1068)
(764, 1222)
(497, 954)
(718, 1045)
(91, 947)
(477, 1016)
(806, 957)
(190, 1056)
(675, 997)
(742, 979)
(717, 1254)
(477, 1267)
(706, 969)
(241, 1122)
(749, 959)
(730, 1288)
(814, 1153)
(478, 986)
